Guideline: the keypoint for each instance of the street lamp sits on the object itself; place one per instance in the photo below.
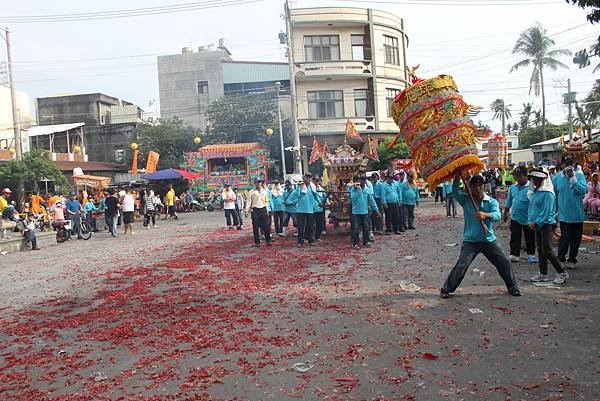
(278, 88)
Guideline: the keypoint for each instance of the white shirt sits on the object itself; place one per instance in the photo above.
(229, 199)
(128, 203)
(257, 199)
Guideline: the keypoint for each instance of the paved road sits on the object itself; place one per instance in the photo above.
(192, 312)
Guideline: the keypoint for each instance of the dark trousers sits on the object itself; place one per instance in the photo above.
(516, 229)
(231, 217)
(392, 218)
(376, 220)
(360, 222)
(408, 216)
(493, 253)
(319, 220)
(450, 205)
(91, 220)
(279, 219)
(305, 227)
(543, 237)
(570, 239)
(287, 217)
(261, 221)
(149, 215)
(439, 193)
(30, 235)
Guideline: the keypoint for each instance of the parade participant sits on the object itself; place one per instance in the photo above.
(476, 240)
(390, 202)
(378, 186)
(36, 202)
(229, 198)
(450, 201)
(170, 202)
(290, 209)
(239, 207)
(73, 209)
(361, 199)
(319, 211)
(258, 199)
(541, 212)
(128, 208)
(55, 198)
(7, 210)
(591, 202)
(112, 211)
(517, 205)
(29, 232)
(88, 208)
(409, 196)
(570, 188)
(439, 193)
(277, 194)
(305, 198)
(149, 206)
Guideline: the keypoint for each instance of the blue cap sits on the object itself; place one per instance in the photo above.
(73, 193)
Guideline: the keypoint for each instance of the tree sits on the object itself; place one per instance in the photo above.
(387, 155)
(536, 45)
(35, 167)
(533, 135)
(500, 111)
(509, 129)
(246, 118)
(537, 118)
(169, 138)
(526, 115)
(515, 129)
(588, 115)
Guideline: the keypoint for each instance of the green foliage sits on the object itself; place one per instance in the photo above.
(594, 13)
(386, 155)
(245, 118)
(32, 169)
(531, 135)
(170, 138)
(481, 126)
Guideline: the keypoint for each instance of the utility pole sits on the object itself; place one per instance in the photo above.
(283, 170)
(13, 99)
(569, 98)
(290, 55)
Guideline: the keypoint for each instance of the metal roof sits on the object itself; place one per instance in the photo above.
(244, 72)
(41, 130)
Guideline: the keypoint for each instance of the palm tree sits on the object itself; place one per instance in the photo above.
(526, 115)
(537, 117)
(536, 45)
(500, 111)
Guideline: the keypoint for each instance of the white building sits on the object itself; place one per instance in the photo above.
(349, 63)
(7, 135)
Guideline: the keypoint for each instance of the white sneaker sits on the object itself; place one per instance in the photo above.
(560, 278)
(540, 278)
(514, 258)
(570, 265)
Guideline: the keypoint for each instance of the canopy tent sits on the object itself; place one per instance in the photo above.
(171, 174)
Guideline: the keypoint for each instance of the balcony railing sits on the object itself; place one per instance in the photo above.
(332, 68)
(335, 125)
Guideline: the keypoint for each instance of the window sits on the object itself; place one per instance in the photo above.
(119, 155)
(325, 104)
(321, 48)
(392, 51)
(510, 145)
(202, 87)
(389, 97)
(484, 146)
(102, 119)
(358, 47)
(360, 102)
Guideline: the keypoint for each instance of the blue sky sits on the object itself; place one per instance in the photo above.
(471, 42)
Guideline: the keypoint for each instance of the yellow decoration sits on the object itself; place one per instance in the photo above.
(197, 140)
(11, 151)
(134, 146)
(269, 131)
(77, 149)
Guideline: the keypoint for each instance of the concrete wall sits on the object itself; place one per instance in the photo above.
(102, 143)
(6, 119)
(178, 77)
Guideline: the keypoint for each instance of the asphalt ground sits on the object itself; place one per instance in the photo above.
(191, 311)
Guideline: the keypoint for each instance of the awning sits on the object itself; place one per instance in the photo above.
(42, 130)
(171, 174)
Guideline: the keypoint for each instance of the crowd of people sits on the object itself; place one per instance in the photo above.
(540, 200)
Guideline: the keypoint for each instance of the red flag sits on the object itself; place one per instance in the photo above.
(372, 149)
(317, 151)
(351, 131)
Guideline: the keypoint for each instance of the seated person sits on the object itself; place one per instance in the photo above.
(29, 232)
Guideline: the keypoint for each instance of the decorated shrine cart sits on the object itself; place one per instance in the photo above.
(341, 168)
(578, 151)
(236, 164)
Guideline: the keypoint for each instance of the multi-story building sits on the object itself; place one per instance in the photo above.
(109, 124)
(349, 63)
(190, 81)
(7, 135)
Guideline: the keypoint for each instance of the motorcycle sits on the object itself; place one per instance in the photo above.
(213, 203)
(63, 228)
